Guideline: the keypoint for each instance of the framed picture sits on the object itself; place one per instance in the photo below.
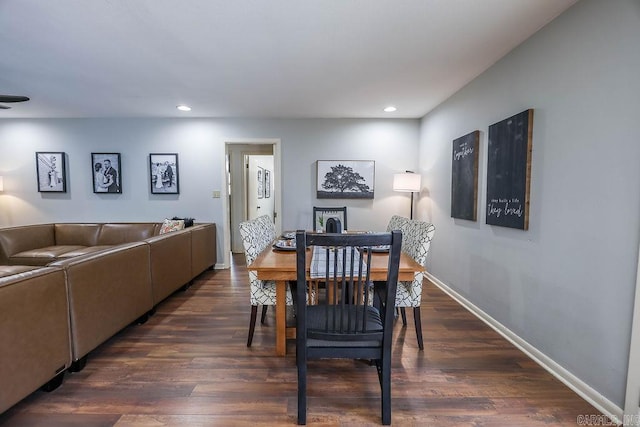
(509, 171)
(345, 179)
(51, 172)
(464, 176)
(260, 183)
(105, 168)
(267, 183)
(164, 178)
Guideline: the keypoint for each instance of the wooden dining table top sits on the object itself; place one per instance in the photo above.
(280, 266)
(276, 264)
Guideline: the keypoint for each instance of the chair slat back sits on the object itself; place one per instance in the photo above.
(343, 263)
(327, 212)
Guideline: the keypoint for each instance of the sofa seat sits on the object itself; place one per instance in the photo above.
(84, 251)
(42, 256)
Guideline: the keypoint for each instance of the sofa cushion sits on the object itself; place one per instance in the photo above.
(77, 234)
(18, 239)
(83, 251)
(170, 225)
(117, 234)
(42, 256)
(11, 270)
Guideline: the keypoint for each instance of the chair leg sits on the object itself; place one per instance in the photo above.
(418, 322)
(403, 313)
(385, 386)
(302, 389)
(252, 323)
(264, 313)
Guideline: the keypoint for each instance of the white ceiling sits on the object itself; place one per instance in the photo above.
(253, 58)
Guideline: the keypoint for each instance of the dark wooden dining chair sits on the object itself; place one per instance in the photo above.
(329, 212)
(352, 323)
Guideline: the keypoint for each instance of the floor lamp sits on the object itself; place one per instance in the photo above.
(407, 182)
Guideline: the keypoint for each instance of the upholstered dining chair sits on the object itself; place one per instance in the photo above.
(416, 241)
(345, 325)
(256, 235)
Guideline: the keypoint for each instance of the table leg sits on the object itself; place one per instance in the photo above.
(281, 317)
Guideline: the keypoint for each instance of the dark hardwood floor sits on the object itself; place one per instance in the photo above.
(189, 366)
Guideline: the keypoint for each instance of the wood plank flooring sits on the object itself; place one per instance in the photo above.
(189, 366)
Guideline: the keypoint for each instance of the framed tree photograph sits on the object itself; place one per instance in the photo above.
(107, 177)
(164, 176)
(51, 172)
(267, 183)
(345, 179)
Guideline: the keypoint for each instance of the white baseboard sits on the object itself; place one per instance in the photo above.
(585, 391)
(220, 266)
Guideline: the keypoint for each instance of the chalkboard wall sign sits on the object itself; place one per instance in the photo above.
(464, 176)
(509, 171)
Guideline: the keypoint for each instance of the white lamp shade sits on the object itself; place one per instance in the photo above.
(1, 183)
(407, 182)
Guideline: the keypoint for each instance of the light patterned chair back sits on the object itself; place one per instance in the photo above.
(256, 235)
(416, 241)
(397, 222)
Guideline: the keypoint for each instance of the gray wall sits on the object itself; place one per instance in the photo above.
(566, 285)
(393, 144)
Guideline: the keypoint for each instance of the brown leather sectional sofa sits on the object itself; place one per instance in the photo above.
(67, 288)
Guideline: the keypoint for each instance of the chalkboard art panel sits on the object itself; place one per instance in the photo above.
(509, 171)
(464, 176)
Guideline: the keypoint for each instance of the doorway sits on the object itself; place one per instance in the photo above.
(246, 196)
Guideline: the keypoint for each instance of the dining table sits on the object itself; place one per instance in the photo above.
(279, 265)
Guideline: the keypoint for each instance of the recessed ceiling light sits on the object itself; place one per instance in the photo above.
(390, 109)
(183, 108)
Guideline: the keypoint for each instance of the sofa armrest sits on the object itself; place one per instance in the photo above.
(34, 331)
(203, 247)
(170, 262)
(108, 290)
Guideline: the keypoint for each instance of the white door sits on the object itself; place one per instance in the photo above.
(259, 186)
(237, 180)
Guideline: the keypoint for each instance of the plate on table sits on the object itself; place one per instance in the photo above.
(380, 248)
(285, 245)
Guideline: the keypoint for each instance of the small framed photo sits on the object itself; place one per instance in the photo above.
(51, 172)
(260, 183)
(107, 177)
(164, 176)
(267, 183)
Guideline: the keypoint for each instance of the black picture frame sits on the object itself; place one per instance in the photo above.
(509, 171)
(267, 183)
(106, 173)
(464, 176)
(51, 172)
(164, 173)
(345, 179)
(260, 182)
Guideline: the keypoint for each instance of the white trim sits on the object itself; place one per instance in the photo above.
(632, 396)
(585, 391)
(277, 182)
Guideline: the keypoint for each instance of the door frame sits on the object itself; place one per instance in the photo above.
(277, 189)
